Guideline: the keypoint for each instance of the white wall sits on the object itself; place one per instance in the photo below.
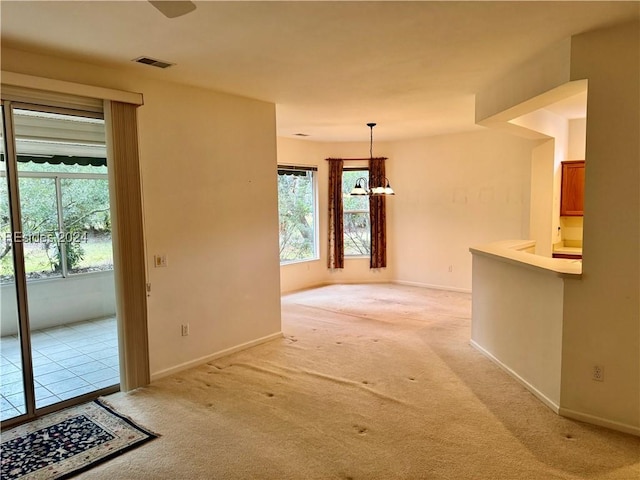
(576, 147)
(542, 197)
(452, 192)
(546, 176)
(534, 77)
(517, 319)
(209, 172)
(208, 164)
(602, 311)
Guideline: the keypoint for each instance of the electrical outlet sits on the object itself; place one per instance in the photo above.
(598, 373)
(185, 329)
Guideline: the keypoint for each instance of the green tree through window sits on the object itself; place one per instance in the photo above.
(357, 230)
(63, 196)
(297, 214)
(86, 229)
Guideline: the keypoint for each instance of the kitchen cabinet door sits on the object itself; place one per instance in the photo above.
(572, 190)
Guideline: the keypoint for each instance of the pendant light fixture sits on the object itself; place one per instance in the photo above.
(361, 187)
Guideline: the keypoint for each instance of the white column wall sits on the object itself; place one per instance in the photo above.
(602, 312)
(517, 320)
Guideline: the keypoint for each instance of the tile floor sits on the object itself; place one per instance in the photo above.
(68, 360)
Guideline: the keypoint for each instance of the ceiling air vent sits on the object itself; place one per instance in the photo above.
(153, 62)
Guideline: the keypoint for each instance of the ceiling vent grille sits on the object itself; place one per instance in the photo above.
(153, 62)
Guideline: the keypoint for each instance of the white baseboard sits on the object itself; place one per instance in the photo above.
(207, 358)
(541, 396)
(332, 282)
(435, 287)
(565, 412)
(362, 282)
(302, 289)
(603, 422)
(356, 282)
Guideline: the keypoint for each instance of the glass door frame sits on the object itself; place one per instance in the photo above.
(20, 276)
(19, 273)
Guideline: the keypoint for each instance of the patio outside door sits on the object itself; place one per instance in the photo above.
(58, 342)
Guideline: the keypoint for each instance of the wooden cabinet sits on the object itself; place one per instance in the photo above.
(572, 190)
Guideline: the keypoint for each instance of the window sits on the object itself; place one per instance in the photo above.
(357, 232)
(64, 197)
(66, 226)
(297, 213)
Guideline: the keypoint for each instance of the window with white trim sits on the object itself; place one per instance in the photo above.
(357, 229)
(297, 213)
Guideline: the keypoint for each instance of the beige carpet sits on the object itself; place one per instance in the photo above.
(370, 382)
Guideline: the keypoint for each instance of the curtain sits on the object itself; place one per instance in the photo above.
(336, 227)
(377, 212)
(128, 256)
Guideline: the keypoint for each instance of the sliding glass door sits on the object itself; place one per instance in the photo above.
(59, 331)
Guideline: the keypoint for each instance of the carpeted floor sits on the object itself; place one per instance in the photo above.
(370, 382)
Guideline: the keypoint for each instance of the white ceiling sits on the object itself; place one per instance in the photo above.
(330, 67)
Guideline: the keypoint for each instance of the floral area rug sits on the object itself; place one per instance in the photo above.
(68, 442)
